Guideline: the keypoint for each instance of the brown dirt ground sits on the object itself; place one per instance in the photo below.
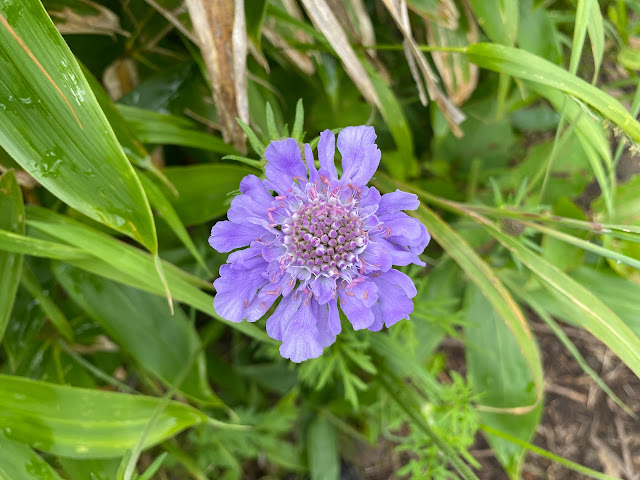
(580, 422)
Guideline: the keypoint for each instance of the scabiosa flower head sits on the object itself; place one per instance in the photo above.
(317, 242)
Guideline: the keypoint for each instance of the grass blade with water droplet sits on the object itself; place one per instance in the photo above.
(54, 128)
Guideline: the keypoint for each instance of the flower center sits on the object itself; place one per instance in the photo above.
(325, 235)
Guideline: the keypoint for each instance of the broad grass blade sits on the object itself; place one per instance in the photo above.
(587, 309)
(500, 376)
(203, 190)
(83, 423)
(54, 128)
(48, 306)
(128, 314)
(19, 462)
(123, 263)
(498, 18)
(481, 274)
(528, 66)
(322, 441)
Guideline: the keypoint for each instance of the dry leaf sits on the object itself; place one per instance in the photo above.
(24, 179)
(220, 28)
(172, 18)
(104, 22)
(399, 13)
(120, 77)
(459, 76)
(326, 22)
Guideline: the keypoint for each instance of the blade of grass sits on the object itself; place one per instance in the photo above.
(54, 128)
(481, 274)
(541, 312)
(124, 263)
(12, 242)
(591, 312)
(522, 64)
(586, 245)
(595, 227)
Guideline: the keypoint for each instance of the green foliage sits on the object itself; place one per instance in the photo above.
(115, 163)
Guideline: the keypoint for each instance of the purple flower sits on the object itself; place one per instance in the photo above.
(319, 242)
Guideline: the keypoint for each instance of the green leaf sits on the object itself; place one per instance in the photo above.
(541, 312)
(621, 295)
(537, 32)
(272, 130)
(629, 58)
(481, 274)
(11, 220)
(626, 211)
(322, 448)
(129, 315)
(499, 374)
(163, 129)
(166, 210)
(255, 142)
(562, 254)
(102, 469)
(410, 403)
(130, 144)
(54, 128)
(203, 190)
(579, 33)
(12, 242)
(525, 65)
(19, 462)
(595, 27)
(82, 423)
(255, 11)
(591, 134)
(491, 287)
(123, 263)
(498, 18)
(587, 309)
(298, 123)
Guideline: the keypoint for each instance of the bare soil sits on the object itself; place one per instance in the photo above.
(580, 422)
